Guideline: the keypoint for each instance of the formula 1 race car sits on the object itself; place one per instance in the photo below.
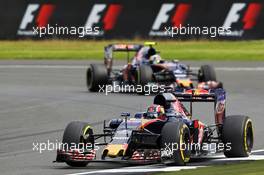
(166, 133)
(146, 68)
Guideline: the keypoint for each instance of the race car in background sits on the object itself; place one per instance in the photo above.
(147, 67)
(166, 133)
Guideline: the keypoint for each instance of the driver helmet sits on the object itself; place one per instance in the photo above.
(155, 111)
(155, 59)
(151, 51)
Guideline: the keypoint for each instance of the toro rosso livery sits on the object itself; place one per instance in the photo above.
(167, 132)
(147, 68)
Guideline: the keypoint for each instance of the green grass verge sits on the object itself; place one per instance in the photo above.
(245, 168)
(183, 50)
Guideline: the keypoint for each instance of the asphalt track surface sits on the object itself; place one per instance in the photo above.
(39, 98)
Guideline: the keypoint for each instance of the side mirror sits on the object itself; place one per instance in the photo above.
(125, 114)
(114, 123)
(139, 115)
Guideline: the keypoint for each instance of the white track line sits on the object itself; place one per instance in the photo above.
(257, 151)
(145, 169)
(240, 69)
(18, 66)
(139, 170)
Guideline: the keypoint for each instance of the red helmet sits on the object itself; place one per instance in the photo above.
(155, 111)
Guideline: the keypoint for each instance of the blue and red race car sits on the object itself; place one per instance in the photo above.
(167, 132)
(147, 68)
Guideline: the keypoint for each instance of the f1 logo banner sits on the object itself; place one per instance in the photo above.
(104, 15)
(242, 17)
(101, 17)
(35, 15)
(170, 14)
(119, 19)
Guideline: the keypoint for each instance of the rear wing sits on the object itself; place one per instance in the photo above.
(217, 96)
(210, 97)
(201, 95)
(123, 47)
(110, 49)
(192, 95)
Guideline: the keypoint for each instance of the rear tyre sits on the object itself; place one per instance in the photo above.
(96, 77)
(144, 75)
(206, 73)
(238, 133)
(175, 137)
(75, 133)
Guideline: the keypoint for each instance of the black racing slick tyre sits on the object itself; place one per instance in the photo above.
(96, 77)
(144, 76)
(175, 143)
(75, 133)
(206, 73)
(238, 136)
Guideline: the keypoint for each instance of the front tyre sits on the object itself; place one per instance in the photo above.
(238, 134)
(175, 143)
(77, 133)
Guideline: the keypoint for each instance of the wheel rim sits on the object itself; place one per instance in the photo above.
(248, 136)
(87, 138)
(185, 152)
